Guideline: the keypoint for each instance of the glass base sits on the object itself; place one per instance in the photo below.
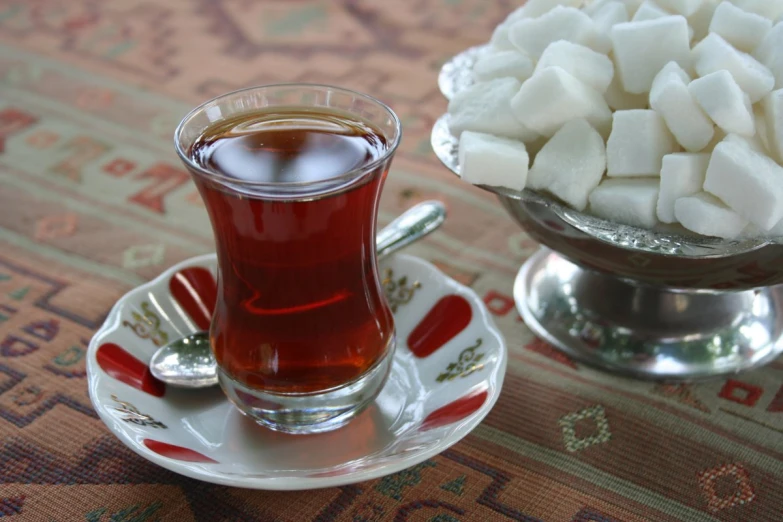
(309, 413)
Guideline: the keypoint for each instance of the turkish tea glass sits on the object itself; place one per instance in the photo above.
(301, 332)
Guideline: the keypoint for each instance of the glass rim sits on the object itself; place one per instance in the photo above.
(355, 172)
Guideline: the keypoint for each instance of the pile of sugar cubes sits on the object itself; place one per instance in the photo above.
(637, 111)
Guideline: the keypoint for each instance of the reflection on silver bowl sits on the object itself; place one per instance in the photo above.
(661, 304)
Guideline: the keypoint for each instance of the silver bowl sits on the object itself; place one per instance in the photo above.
(662, 304)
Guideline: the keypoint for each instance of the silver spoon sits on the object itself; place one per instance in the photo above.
(188, 361)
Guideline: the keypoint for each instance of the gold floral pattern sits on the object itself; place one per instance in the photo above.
(134, 416)
(398, 291)
(469, 362)
(147, 326)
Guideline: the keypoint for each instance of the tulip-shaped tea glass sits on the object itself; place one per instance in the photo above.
(291, 176)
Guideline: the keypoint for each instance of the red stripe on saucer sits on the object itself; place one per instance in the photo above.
(454, 411)
(124, 367)
(447, 318)
(177, 452)
(196, 291)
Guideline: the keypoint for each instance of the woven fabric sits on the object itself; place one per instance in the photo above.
(93, 201)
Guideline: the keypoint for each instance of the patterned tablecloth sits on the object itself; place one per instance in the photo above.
(93, 202)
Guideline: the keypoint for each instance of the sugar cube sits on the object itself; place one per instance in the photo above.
(705, 214)
(649, 10)
(499, 40)
(503, 64)
(682, 174)
(753, 142)
(776, 231)
(743, 30)
(485, 107)
(747, 181)
(571, 164)
(620, 100)
(770, 53)
(626, 201)
(671, 69)
(592, 68)
(755, 232)
(772, 9)
(725, 103)
(536, 8)
(670, 98)
(772, 106)
(637, 144)
(533, 35)
(714, 53)
(641, 49)
(610, 13)
(552, 96)
(683, 7)
(485, 159)
(701, 19)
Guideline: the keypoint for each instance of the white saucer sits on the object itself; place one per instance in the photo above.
(431, 401)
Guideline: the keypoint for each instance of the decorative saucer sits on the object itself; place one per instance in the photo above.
(447, 373)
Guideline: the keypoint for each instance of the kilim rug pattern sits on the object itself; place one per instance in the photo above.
(93, 202)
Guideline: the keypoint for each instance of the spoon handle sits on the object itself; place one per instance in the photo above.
(410, 226)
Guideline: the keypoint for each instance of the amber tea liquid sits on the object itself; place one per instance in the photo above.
(300, 306)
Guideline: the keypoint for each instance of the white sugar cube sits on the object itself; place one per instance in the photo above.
(747, 181)
(705, 214)
(682, 7)
(485, 107)
(772, 106)
(503, 64)
(552, 97)
(536, 8)
(753, 142)
(620, 100)
(714, 53)
(755, 232)
(571, 164)
(725, 103)
(743, 30)
(670, 98)
(533, 35)
(627, 201)
(649, 10)
(610, 13)
(701, 19)
(772, 9)
(682, 174)
(490, 160)
(770, 53)
(641, 49)
(499, 40)
(638, 143)
(671, 69)
(592, 68)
